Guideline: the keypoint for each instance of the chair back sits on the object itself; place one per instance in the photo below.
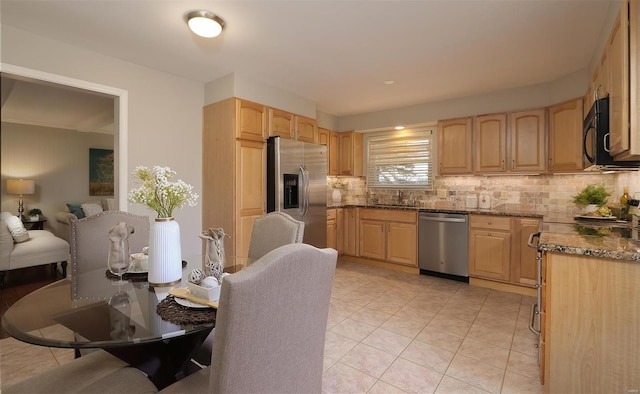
(273, 230)
(271, 323)
(90, 242)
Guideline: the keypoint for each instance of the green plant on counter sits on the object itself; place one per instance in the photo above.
(592, 194)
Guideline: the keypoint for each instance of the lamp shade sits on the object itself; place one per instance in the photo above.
(21, 186)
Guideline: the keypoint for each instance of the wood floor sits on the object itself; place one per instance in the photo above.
(20, 282)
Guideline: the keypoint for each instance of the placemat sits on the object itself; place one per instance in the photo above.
(134, 276)
(170, 310)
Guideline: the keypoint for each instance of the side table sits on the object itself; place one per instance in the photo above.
(34, 224)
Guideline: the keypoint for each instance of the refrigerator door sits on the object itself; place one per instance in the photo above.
(297, 185)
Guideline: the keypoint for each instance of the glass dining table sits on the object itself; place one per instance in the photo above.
(92, 311)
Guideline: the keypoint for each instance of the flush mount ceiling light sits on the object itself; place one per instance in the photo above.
(399, 127)
(205, 23)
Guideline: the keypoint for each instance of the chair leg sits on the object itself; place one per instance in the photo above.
(2, 274)
(64, 268)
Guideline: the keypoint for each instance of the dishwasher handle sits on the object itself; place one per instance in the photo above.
(530, 240)
(442, 218)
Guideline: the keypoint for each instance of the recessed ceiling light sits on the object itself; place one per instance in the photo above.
(399, 127)
(389, 82)
(205, 23)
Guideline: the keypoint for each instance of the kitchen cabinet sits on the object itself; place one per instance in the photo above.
(350, 153)
(340, 230)
(306, 129)
(331, 229)
(331, 140)
(251, 120)
(455, 141)
(490, 142)
(490, 247)
(350, 232)
(523, 258)
(565, 136)
(389, 235)
(591, 324)
(233, 185)
(281, 124)
(527, 134)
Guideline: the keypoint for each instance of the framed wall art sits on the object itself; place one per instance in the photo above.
(101, 173)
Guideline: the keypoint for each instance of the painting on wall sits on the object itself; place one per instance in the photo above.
(100, 172)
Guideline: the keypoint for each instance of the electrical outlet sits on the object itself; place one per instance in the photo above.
(442, 193)
(504, 195)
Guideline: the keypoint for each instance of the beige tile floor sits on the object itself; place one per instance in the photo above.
(391, 332)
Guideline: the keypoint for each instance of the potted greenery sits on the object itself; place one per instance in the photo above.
(34, 214)
(592, 197)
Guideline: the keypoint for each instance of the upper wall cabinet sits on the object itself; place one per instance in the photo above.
(490, 143)
(331, 140)
(350, 153)
(306, 129)
(527, 133)
(281, 124)
(454, 146)
(565, 137)
(251, 120)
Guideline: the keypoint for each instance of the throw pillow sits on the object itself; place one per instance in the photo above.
(91, 209)
(76, 209)
(16, 228)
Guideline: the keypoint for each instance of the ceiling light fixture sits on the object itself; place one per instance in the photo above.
(205, 23)
(389, 82)
(399, 127)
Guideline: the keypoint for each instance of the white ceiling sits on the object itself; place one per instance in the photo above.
(339, 53)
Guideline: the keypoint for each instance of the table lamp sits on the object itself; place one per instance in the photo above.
(20, 186)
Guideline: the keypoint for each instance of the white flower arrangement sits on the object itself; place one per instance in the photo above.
(339, 184)
(158, 193)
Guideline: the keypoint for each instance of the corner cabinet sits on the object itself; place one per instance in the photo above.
(331, 141)
(455, 146)
(389, 235)
(233, 172)
(350, 153)
(565, 136)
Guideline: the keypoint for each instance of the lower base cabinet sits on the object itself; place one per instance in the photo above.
(389, 235)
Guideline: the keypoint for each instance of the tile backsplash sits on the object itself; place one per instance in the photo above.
(550, 193)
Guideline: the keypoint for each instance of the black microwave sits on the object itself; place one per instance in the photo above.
(595, 140)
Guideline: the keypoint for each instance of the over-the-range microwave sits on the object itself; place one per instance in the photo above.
(595, 141)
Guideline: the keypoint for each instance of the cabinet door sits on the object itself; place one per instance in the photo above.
(334, 153)
(527, 131)
(489, 254)
(565, 137)
(350, 236)
(306, 129)
(281, 124)
(331, 234)
(523, 261)
(251, 120)
(323, 139)
(372, 239)
(618, 54)
(402, 242)
(490, 141)
(454, 146)
(350, 153)
(250, 189)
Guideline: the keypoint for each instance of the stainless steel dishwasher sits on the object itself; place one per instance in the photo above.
(443, 245)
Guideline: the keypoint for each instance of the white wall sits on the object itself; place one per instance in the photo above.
(164, 117)
(56, 159)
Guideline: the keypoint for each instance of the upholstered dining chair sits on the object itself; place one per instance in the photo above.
(270, 326)
(89, 238)
(273, 230)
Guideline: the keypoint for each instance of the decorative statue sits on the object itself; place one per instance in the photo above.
(215, 258)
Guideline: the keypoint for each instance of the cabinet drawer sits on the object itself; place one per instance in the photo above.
(395, 215)
(331, 214)
(490, 222)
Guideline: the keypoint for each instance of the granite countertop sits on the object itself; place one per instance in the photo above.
(560, 233)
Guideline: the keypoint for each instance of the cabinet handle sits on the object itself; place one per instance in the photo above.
(513, 164)
(503, 164)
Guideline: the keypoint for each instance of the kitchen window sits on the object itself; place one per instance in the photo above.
(400, 159)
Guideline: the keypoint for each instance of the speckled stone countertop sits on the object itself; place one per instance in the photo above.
(560, 233)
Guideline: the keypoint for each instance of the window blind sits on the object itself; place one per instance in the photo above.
(400, 160)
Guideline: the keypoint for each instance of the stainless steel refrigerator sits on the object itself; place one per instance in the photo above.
(297, 185)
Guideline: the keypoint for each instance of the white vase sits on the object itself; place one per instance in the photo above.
(590, 208)
(336, 196)
(165, 254)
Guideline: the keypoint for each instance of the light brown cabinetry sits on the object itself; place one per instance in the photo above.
(350, 153)
(565, 136)
(331, 229)
(489, 247)
(454, 146)
(331, 140)
(340, 230)
(280, 124)
(523, 258)
(490, 142)
(350, 232)
(592, 324)
(233, 186)
(527, 134)
(389, 235)
(306, 129)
